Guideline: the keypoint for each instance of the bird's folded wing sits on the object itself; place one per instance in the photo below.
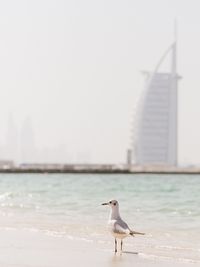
(121, 228)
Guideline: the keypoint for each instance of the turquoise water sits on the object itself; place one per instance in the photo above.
(166, 207)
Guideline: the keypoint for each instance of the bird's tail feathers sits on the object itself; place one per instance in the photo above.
(136, 233)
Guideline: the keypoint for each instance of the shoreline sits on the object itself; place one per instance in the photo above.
(30, 248)
(99, 169)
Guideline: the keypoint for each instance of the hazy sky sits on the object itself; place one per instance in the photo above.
(73, 68)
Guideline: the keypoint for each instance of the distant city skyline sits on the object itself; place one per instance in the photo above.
(73, 68)
(20, 147)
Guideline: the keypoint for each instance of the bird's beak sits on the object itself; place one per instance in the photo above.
(104, 203)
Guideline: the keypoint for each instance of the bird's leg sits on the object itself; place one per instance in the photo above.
(115, 245)
(121, 245)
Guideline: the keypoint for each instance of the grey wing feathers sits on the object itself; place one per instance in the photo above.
(121, 227)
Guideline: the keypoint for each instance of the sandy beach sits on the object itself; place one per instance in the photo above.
(25, 248)
(58, 220)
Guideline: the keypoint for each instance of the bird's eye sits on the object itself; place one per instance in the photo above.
(110, 202)
(114, 204)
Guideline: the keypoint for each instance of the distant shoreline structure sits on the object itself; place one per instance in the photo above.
(155, 129)
(97, 169)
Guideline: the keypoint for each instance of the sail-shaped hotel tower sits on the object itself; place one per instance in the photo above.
(155, 130)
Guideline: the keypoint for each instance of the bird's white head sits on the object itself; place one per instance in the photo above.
(112, 203)
(114, 214)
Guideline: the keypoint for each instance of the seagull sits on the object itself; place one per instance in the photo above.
(118, 228)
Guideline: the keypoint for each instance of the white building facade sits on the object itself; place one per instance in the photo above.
(155, 130)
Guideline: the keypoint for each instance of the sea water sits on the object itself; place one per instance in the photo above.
(165, 207)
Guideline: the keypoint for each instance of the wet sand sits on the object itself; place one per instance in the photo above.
(25, 248)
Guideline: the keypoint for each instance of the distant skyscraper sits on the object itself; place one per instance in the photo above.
(155, 132)
(27, 144)
(11, 145)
